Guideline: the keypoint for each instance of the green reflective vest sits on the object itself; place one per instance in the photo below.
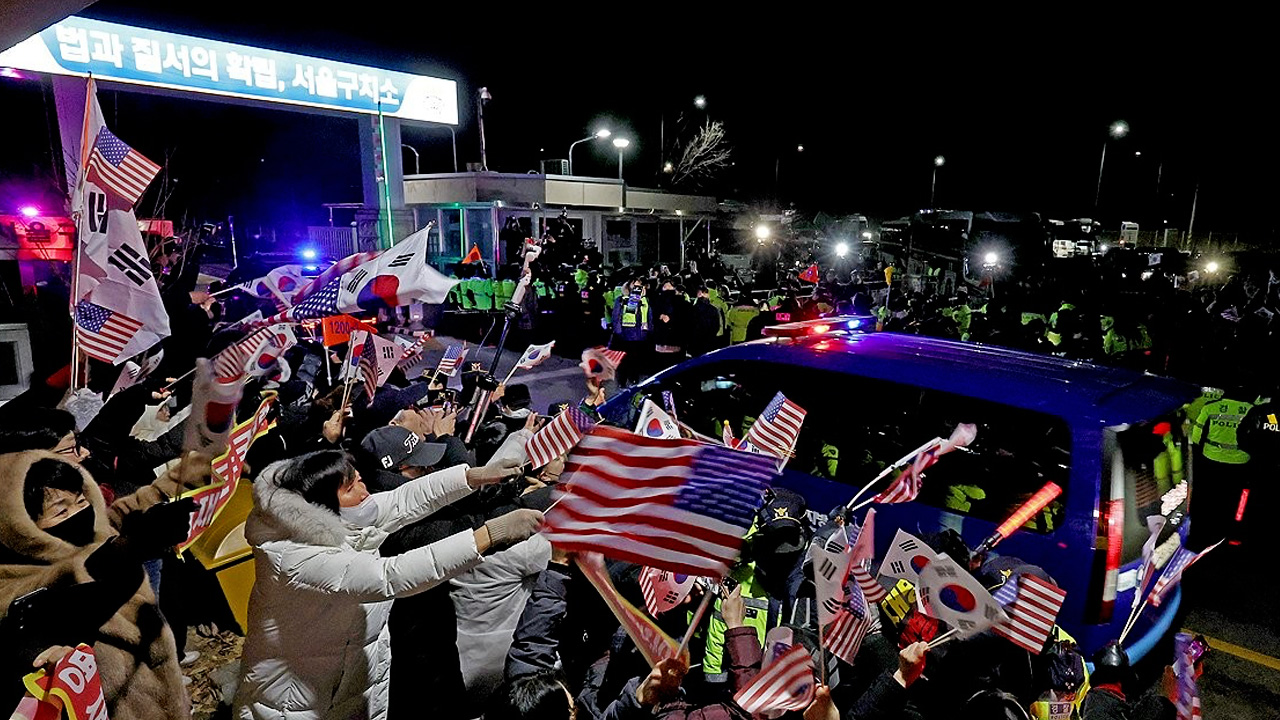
(756, 601)
(483, 291)
(581, 278)
(718, 303)
(1216, 425)
(503, 291)
(738, 318)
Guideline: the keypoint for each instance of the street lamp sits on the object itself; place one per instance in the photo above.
(762, 233)
(621, 144)
(1117, 130)
(700, 102)
(416, 167)
(938, 162)
(600, 134)
(799, 148)
(842, 249)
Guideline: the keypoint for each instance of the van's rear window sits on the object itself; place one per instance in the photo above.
(856, 426)
(1154, 457)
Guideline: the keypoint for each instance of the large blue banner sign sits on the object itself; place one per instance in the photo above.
(108, 51)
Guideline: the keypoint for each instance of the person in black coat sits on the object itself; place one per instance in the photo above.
(670, 317)
(706, 325)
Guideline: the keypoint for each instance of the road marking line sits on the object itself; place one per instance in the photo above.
(1243, 653)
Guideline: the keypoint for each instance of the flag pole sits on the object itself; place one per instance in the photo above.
(693, 625)
(944, 637)
(89, 88)
(898, 465)
(510, 374)
(822, 653)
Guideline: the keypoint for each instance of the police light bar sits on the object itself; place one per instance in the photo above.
(821, 326)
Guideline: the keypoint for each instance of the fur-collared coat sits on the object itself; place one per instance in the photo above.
(135, 651)
(317, 646)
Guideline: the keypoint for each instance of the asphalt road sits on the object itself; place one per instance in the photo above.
(1233, 601)
(1231, 596)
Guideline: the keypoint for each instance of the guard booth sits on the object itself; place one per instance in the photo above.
(496, 211)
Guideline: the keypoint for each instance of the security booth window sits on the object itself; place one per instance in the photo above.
(1014, 454)
(1151, 459)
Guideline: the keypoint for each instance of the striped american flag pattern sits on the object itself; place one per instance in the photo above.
(321, 304)
(1032, 613)
(118, 168)
(103, 334)
(229, 364)
(453, 356)
(369, 365)
(557, 437)
(1172, 573)
(613, 356)
(787, 684)
(663, 589)
(776, 430)
(906, 486)
(871, 588)
(678, 505)
(1187, 704)
(334, 272)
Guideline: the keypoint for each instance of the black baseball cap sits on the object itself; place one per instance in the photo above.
(391, 446)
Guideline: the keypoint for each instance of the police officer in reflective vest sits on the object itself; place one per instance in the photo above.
(1220, 477)
(631, 326)
(1259, 436)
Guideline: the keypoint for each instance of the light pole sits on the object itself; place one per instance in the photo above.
(600, 134)
(700, 102)
(938, 162)
(1117, 130)
(416, 159)
(621, 144)
(481, 98)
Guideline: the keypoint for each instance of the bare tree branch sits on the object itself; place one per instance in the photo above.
(705, 155)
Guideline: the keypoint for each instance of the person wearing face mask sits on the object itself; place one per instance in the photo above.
(71, 572)
(317, 643)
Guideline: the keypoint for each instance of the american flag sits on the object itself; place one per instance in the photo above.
(558, 437)
(678, 505)
(842, 609)
(118, 168)
(103, 333)
(322, 304)
(230, 363)
(334, 272)
(787, 684)
(906, 486)
(613, 356)
(777, 428)
(1187, 704)
(654, 644)
(1172, 573)
(1032, 613)
(663, 589)
(362, 357)
(453, 356)
(871, 588)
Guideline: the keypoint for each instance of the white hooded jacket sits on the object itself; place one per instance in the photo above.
(317, 646)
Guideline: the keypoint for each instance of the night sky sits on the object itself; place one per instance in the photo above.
(1019, 113)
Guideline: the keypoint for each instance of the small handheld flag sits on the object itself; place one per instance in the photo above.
(473, 256)
(787, 684)
(810, 274)
(949, 593)
(663, 589)
(678, 505)
(1032, 613)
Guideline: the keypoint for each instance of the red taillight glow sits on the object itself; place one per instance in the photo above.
(1043, 497)
(1115, 534)
(1244, 500)
(1162, 428)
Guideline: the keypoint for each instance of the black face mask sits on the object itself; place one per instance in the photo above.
(77, 529)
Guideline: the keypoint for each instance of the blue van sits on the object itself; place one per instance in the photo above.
(1112, 439)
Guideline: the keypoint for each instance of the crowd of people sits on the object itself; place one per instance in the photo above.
(398, 565)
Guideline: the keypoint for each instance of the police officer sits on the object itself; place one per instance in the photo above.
(1220, 478)
(631, 326)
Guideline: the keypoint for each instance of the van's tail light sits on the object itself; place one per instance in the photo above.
(1109, 545)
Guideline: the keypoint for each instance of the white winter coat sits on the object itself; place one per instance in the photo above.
(317, 646)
